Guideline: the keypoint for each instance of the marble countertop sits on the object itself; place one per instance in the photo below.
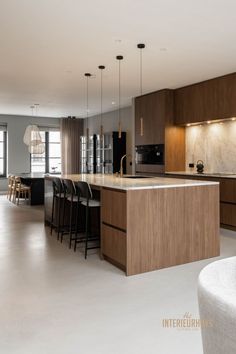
(205, 174)
(111, 181)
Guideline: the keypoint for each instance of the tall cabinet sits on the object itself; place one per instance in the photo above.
(102, 154)
(155, 111)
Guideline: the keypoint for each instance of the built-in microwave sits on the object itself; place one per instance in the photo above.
(150, 154)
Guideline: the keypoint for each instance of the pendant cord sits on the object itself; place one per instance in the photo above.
(101, 98)
(87, 103)
(141, 73)
(119, 91)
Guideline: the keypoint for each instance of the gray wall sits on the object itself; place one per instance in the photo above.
(110, 123)
(17, 153)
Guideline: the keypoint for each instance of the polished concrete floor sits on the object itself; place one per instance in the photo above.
(54, 302)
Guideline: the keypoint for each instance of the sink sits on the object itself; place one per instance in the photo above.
(136, 176)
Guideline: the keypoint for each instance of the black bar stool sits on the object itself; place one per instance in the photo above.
(57, 202)
(74, 201)
(85, 196)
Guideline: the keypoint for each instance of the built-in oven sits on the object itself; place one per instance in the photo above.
(150, 154)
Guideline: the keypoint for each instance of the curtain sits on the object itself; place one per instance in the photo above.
(71, 131)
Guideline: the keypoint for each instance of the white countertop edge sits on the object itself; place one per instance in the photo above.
(163, 186)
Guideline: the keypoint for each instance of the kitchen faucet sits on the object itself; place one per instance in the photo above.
(121, 163)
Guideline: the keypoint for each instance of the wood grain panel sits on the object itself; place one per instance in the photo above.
(149, 168)
(177, 226)
(208, 100)
(174, 148)
(114, 244)
(153, 109)
(228, 214)
(228, 190)
(113, 207)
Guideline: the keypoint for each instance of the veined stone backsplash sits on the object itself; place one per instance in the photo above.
(213, 143)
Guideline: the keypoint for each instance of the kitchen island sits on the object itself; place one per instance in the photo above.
(153, 223)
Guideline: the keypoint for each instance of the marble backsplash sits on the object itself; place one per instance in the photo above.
(213, 143)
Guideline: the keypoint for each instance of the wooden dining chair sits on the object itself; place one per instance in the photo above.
(11, 181)
(21, 191)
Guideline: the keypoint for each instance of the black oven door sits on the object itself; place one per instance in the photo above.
(150, 154)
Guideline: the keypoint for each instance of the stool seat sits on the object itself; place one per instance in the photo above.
(92, 203)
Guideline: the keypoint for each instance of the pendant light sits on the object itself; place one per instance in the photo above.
(141, 46)
(87, 75)
(101, 67)
(32, 135)
(119, 58)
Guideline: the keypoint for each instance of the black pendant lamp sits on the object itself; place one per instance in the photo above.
(119, 58)
(141, 46)
(101, 67)
(87, 75)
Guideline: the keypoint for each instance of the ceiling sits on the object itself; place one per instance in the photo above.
(47, 46)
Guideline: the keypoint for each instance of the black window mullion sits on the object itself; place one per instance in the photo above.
(47, 152)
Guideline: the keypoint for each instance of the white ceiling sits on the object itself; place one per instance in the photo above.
(46, 46)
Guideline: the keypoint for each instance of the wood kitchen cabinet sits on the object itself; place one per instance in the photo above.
(227, 197)
(152, 108)
(156, 110)
(208, 100)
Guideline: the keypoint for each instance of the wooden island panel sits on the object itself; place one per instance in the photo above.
(175, 226)
(114, 207)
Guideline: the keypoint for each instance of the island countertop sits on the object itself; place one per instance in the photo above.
(114, 182)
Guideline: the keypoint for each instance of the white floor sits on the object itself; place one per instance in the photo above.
(54, 302)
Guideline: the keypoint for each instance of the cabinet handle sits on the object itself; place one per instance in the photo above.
(141, 126)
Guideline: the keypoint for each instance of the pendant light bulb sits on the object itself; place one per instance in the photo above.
(101, 67)
(119, 58)
(141, 46)
(87, 75)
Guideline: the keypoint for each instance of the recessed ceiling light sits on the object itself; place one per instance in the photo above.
(113, 102)
(208, 122)
(233, 118)
(188, 125)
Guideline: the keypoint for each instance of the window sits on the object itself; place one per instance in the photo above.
(50, 160)
(3, 151)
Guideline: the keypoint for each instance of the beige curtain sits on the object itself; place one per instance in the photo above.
(71, 130)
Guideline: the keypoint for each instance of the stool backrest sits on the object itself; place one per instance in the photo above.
(57, 186)
(83, 190)
(69, 187)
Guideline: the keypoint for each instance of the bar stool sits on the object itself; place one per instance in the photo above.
(73, 200)
(57, 202)
(85, 195)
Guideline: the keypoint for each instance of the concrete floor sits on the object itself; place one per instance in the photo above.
(55, 302)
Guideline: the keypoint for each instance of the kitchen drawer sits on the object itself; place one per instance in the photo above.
(228, 214)
(228, 190)
(114, 244)
(114, 208)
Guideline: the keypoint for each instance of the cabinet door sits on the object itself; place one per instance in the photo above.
(228, 190)
(114, 244)
(152, 109)
(207, 100)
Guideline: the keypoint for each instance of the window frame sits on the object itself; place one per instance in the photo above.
(47, 157)
(4, 174)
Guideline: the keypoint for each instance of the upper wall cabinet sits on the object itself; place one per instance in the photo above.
(209, 100)
(151, 109)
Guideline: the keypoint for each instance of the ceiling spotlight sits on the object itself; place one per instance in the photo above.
(208, 122)
(233, 118)
(113, 102)
(188, 125)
